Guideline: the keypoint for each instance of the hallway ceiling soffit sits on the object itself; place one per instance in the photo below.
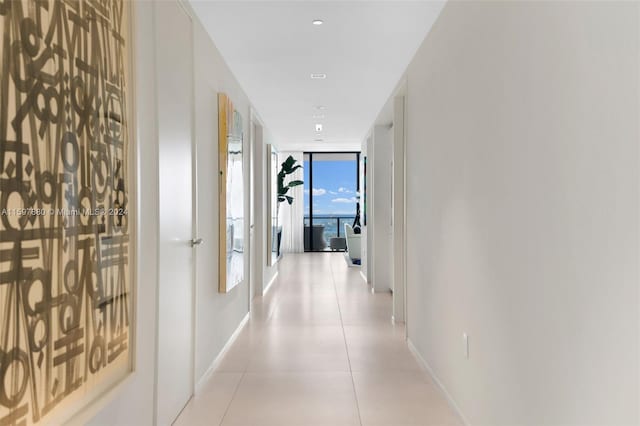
(272, 48)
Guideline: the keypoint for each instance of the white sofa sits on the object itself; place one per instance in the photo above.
(353, 242)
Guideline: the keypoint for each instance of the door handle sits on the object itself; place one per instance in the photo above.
(196, 242)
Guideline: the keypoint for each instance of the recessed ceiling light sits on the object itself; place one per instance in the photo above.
(318, 140)
(318, 116)
(318, 127)
(320, 107)
(317, 22)
(318, 76)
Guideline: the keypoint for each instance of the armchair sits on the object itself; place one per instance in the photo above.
(353, 242)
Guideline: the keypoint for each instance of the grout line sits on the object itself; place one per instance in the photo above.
(346, 346)
(244, 373)
(235, 392)
(275, 301)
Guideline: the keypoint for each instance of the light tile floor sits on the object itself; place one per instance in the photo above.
(319, 350)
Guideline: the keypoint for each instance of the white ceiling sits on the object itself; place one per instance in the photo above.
(273, 48)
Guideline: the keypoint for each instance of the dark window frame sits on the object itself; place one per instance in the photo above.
(310, 154)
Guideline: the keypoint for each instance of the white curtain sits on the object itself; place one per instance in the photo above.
(292, 216)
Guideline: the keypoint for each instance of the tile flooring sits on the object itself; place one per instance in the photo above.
(319, 350)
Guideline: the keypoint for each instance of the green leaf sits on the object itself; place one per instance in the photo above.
(288, 164)
(294, 169)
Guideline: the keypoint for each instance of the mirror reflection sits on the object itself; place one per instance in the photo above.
(232, 197)
(275, 234)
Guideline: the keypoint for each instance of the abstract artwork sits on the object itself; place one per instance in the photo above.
(65, 187)
(231, 195)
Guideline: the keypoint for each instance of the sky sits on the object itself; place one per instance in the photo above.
(334, 187)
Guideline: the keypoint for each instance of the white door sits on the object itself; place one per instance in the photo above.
(174, 70)
(252, 247)
(398, 211)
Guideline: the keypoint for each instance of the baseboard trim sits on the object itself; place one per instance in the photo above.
(394, 321)
(269, 284)
(427, 368)
(221, 354)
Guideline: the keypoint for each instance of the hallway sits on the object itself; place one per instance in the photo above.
(480, 159)
(319, 349)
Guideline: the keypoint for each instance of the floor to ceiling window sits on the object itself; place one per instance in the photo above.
(330, 198)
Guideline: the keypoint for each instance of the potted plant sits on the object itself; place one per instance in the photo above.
(288, 167)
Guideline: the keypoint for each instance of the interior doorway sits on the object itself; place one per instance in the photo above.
(398, 215)
(255, 138)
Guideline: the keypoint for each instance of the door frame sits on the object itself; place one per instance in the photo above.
(256, 203)
(399, 210)
(195, 231)
(194, 197)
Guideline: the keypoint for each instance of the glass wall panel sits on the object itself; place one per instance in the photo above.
(331, 189)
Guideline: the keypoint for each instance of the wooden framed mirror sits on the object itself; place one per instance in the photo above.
(231, 195)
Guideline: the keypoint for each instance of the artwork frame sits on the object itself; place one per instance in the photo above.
(231, 201)
(78, 171)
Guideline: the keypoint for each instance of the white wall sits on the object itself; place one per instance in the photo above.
(390, 128)
(217, 315)
(522, 210)
(377, 239)
(379, 229)
(397, 212)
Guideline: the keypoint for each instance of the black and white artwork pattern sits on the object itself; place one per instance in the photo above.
(65, 287)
